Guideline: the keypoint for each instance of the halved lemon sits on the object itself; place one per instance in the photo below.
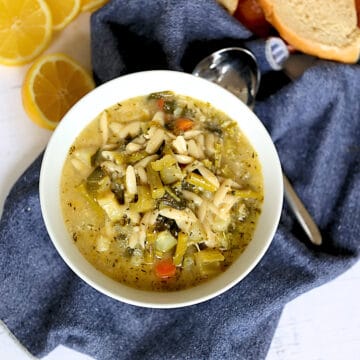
(92, 5)
(63, 12)
(25, 30)
(53, 84)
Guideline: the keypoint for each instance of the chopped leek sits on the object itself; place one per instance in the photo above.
(208, 255)
(200, 181)
(145, 202)
(180, 248)
(97, 181)
(161, 94)
(172, 193)
(156, 186)
(172, 200)
(149, 255)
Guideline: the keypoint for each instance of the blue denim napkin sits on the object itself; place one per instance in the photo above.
(315, 124)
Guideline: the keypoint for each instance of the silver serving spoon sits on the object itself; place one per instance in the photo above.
(236, 70)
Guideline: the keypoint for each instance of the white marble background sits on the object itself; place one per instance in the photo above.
(323, 324)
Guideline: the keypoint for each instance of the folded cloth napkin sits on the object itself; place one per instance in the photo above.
(315, 125)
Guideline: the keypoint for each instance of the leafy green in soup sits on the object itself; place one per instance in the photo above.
(161, 192)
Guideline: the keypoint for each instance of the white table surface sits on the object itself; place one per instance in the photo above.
(323, 324)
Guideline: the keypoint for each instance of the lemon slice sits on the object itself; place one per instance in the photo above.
(53, 84)
(92, 5)
(63, 12)
(25, 30)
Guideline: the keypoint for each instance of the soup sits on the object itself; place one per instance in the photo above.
(161, 192)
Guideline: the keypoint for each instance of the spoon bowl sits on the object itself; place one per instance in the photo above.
(234, 69)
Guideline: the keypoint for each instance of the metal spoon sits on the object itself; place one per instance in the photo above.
(236, 70)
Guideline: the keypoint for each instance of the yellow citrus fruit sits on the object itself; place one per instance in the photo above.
(92, 5)
(63, 12)
(53, 84)
(25, 30)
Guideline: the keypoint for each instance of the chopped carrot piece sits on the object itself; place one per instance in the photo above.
(165, 268)
(183, 124)
(160, 103)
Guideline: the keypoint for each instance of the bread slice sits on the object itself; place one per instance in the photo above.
(324, 28)
(229, 5)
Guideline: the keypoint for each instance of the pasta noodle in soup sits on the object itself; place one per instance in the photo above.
(161, 192)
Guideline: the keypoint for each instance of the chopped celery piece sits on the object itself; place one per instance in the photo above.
(119, 158)
(180, 248)
(167, 150)
(136, 157)
(171, 174)
(145, 202)
(208, 255)
(199, 181)
(150, 238)
(164, 241)
(156, 186)
(247, 194)
(149, 255)
(208, 261)
(162, 163)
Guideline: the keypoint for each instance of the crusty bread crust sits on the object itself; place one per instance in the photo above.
(348, 54)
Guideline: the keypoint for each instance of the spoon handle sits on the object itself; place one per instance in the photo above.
(301, 214)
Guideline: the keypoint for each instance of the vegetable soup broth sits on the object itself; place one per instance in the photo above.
(161, 192)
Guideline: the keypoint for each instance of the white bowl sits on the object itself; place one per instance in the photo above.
(143, 83)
